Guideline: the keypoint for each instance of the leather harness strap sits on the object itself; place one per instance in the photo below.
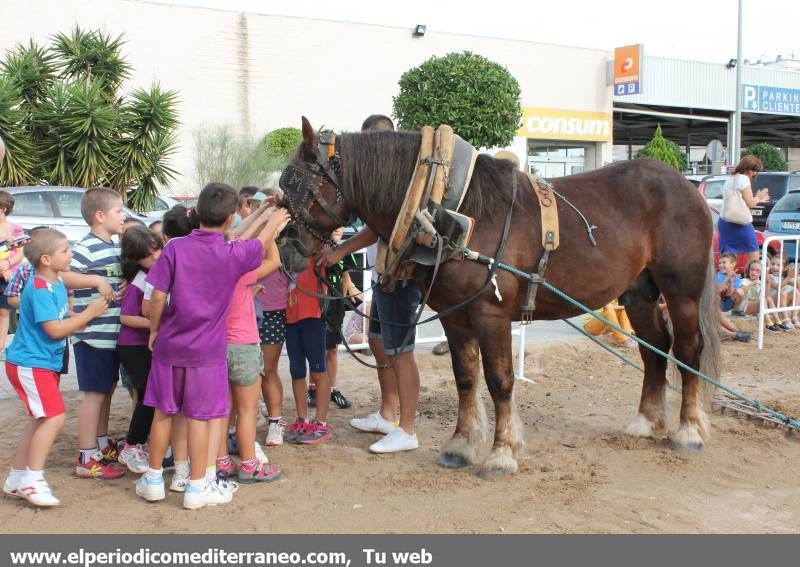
(550, 240)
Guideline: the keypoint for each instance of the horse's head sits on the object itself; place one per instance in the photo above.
(312, 188)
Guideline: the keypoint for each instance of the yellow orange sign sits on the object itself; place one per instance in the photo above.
(559, 124)
(627, 62)
(628, 70)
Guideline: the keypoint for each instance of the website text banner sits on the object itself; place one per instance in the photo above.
(395, 551)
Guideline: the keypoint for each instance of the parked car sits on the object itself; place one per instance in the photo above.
(741, 259)
(187, 200)
(162, 205)
(785, 220)
(778, 183)
(56, 207)
(695, 179)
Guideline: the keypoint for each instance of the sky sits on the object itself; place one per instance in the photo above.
(703, 30)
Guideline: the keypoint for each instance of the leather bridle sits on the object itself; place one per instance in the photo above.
(302, 189)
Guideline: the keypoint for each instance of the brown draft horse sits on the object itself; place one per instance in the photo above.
(653, 237)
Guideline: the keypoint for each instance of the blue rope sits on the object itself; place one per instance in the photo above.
(602, 344)
(791, 422)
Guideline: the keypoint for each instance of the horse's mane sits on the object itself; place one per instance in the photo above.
(377, 168)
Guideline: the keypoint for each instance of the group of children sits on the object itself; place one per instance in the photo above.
(192, 316)
(741, 295)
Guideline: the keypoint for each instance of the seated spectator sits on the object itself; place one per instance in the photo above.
(790, 291)
(779, 292)
(751, 298)
(729, 284)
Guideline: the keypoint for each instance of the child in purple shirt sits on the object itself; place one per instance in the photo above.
(140, 248)
(188, 337)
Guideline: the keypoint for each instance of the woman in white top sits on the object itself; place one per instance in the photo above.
(736, 233)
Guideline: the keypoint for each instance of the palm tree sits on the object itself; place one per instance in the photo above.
(65, 122)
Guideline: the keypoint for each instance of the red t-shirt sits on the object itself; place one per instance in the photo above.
(301, 305)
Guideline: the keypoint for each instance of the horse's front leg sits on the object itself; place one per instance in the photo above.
(470, 434)
(495, 342)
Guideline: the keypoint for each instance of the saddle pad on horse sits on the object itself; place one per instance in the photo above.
(452, 160)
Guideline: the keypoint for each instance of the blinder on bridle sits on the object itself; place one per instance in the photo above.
(302, 188)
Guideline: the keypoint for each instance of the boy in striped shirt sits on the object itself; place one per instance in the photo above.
(96, 272)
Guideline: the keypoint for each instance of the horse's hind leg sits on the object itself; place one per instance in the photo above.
(645, 316)
(686, 328)
(495, 341)
(470, 434)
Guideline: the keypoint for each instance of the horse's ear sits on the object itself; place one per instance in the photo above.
(309, 141)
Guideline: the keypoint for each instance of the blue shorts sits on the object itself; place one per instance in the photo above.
(392, 315)
(305, 340)
(98, 368)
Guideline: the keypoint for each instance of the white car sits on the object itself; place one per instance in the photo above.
(162, 205)
(53, 206)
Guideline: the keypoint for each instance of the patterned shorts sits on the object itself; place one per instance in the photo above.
(273, 328)
(245, 364)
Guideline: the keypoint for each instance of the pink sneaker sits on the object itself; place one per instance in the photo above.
(294, 430)
(315, 432)
(226, 467)
(260, 473)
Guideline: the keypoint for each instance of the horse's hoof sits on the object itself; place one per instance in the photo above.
(640, 427)
(687, 438)
(691, 448)
(453, 461)
(500, 463)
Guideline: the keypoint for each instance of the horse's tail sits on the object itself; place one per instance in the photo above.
(709, 332)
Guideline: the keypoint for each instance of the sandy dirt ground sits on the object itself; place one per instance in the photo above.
(579, 472)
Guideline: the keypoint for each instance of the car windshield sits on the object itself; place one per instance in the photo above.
(788, 204)
(713, 189)
(776, 184)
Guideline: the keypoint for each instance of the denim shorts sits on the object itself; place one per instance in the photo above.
(392, 315)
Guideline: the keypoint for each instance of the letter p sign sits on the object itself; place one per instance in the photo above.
(750, 97)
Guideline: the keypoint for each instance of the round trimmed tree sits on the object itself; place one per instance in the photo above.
(769, 155)
(477, 97)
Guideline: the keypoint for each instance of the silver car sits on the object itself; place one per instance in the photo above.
(56, 207)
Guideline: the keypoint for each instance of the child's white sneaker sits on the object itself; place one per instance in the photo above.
(10, 488)
(179, 482)
(275, 433)
(395, 441)
(261, 455)
(226, 485)
(210, 495)
(135, 457)
(150, 489)
(38, 493)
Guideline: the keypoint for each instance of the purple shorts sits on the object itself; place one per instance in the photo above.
(198, 392)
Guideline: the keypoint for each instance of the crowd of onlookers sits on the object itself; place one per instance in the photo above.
(740, 294)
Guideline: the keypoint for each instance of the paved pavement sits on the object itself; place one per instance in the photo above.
(428, 337)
